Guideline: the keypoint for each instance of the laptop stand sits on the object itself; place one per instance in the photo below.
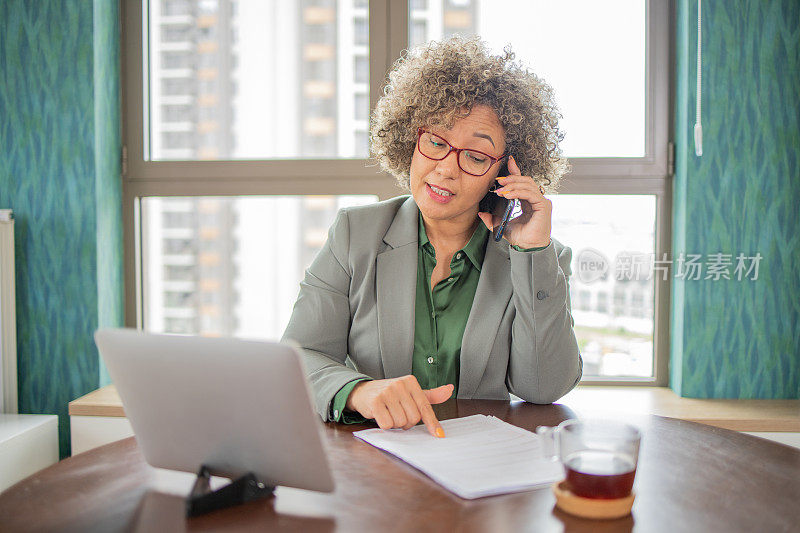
(203, 500)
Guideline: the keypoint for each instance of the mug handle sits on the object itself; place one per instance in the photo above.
(549, 443)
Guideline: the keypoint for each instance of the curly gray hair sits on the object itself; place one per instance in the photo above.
(439, 83)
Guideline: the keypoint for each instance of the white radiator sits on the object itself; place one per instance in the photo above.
(8, 319)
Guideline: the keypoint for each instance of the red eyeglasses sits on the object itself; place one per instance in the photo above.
(473, 162)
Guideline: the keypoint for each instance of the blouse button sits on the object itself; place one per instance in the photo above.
(430, 360)
(458, 255)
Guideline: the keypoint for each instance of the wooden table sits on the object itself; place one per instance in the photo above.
(691, 477)
(741, 415)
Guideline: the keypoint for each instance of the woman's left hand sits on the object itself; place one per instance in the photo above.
(532, 228)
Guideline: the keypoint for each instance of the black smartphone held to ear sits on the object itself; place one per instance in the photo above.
(512, 210)
(500, 207)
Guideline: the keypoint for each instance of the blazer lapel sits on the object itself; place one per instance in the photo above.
(396, 280)
(491, 299)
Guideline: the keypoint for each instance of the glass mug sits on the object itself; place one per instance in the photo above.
(599, 456)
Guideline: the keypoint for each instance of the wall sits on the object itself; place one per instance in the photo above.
(59, 172)
(738, 339)
(108, 182)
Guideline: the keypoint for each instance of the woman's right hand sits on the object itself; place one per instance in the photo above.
(399, 403)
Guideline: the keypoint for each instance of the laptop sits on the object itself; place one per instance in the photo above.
(233, 405)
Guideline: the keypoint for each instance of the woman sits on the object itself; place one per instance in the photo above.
(411, 301)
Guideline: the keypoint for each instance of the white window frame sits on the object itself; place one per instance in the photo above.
(388, 37)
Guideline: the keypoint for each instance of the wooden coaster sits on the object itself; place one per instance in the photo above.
(589, 507)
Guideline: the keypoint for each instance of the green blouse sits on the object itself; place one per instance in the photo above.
(440, 317)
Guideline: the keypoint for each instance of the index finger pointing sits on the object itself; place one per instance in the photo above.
(513, 169)
(425, 409)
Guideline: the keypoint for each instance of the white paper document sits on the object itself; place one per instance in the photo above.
(480, 455)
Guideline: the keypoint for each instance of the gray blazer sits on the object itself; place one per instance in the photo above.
(354, 316)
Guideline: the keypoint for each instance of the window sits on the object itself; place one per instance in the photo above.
(607, 133)
(584, 299)
(171, 8)
(176, 60)
(176, 113)
(361, 69)
(362, 143)
(418, 33)
(361, 106)
(601, 118)
(608, 235)
(176, 34)
(237, 58)
(361, 31)
(602, 302)
(230, 265)
(619, 301)
(176, 86)
(215, 139)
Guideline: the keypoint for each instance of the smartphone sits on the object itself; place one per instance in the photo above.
(512, 210)
(500, 207)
